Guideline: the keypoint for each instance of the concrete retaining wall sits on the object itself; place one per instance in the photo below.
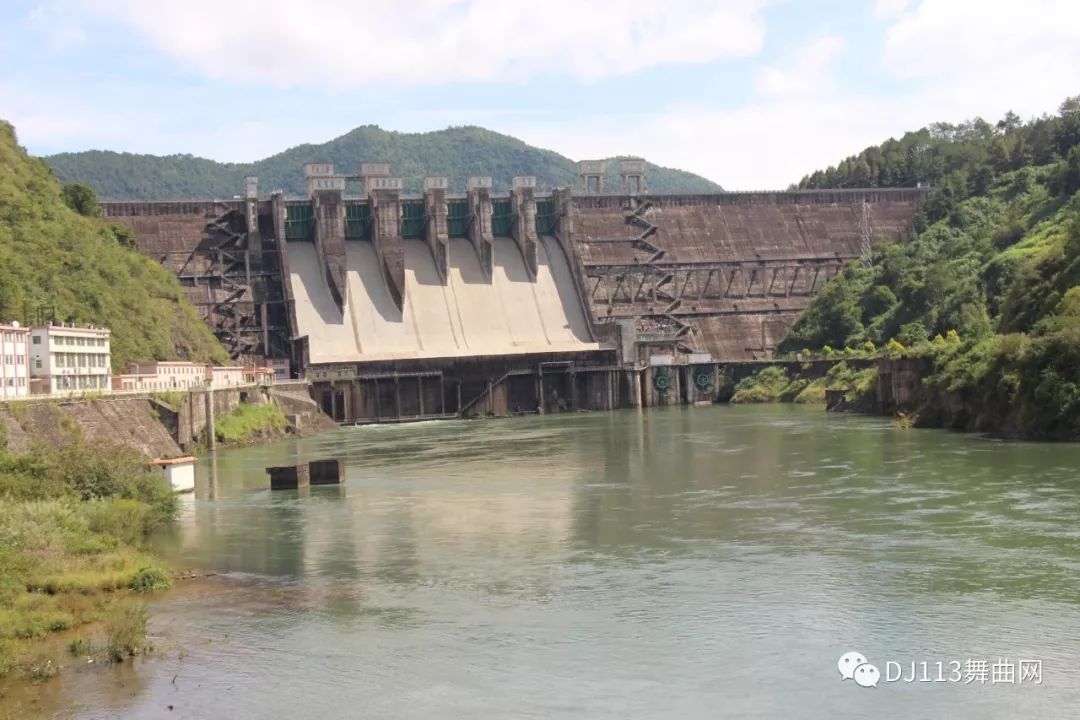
(149, 425)
(126, 421)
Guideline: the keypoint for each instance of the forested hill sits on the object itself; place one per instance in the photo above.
(457, 153)
(987, 286)
(59, 263)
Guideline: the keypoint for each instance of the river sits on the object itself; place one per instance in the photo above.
(681, 563)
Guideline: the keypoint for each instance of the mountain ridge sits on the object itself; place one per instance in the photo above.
(455, 152)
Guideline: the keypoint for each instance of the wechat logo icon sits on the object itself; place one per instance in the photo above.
(853, 666)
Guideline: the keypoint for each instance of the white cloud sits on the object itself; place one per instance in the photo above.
(991, 56)
(803, 72)
(940, 60)
(885, 9)
(944, 60)
(340, 43)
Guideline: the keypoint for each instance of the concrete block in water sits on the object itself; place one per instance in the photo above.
(316, 472)
(289, 477)
(326, 472)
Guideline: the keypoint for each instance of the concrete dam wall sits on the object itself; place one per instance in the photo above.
(471, 315)
(402, 306)
(724, 274)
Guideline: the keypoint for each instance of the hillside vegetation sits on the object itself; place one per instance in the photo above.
(993, 257)
(457, 153)
(59, 262)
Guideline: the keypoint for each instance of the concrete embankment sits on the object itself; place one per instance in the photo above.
(155, 426)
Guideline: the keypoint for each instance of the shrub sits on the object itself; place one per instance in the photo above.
(125, 629)
(894, 347)
(812, 393)
(764, 386)
(112, 471)
(246, 422)
(912, 333)
(150, 578)
(793, 389)
(126, 520)
(81, 645)
(39, 668)
(172, 398)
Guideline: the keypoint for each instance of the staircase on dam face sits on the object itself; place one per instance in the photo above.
(664, 322)
(218, 264)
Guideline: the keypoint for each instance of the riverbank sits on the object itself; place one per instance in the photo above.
(843, 386)
(1004, 386)
(74, 525)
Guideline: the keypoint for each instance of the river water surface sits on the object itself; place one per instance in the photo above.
(683, 563)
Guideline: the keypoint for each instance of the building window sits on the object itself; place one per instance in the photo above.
(37, 363)
(36, 340)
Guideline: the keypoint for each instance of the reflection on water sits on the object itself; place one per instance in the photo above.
(681, 563)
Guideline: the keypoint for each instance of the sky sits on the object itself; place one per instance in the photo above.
(752, 94)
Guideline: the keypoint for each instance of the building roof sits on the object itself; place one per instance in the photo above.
(168, 363)
(73, 328)
(173, 461)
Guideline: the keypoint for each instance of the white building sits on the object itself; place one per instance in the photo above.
(179, 472)
(169, 375)
(14, 361)
(70, 360)
(165, 376)
(228, 376)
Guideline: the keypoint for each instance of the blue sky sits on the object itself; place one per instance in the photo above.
(750, 94)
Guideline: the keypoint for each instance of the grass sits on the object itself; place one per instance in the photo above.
(171, 398)
(766, 385)
(247, 423)
(80, 645)
(73, 529)
(125, 627)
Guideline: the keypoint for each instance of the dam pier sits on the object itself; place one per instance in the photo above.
(399, 305)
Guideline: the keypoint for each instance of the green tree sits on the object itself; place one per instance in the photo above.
(991, 271)
(61, 263)
(82, 199)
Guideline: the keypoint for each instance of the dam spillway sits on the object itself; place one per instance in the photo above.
(397, 305)
(471, 315)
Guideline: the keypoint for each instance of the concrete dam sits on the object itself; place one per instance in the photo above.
(469, 315)
(400, 306)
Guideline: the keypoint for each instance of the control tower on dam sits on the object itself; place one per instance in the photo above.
(398, 306)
